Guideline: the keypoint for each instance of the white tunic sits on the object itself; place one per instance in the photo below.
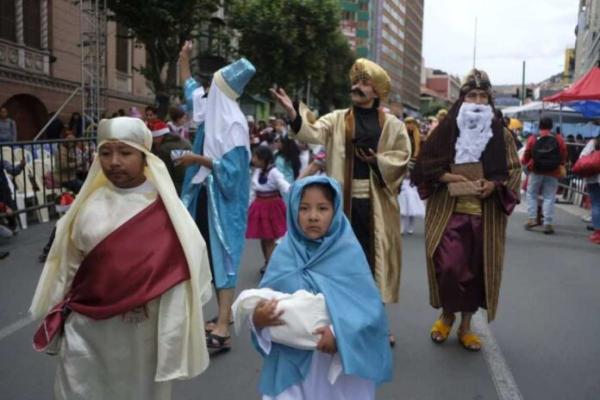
(114, 358)
(275, 183)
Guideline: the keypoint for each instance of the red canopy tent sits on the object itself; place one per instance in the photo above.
(586, 88)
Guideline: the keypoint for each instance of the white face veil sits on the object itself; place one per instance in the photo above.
(225, 126)
(181, 335)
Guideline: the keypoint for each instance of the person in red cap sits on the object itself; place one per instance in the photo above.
(169, 147)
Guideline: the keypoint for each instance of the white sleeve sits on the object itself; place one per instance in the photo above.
(199, 104)
(263, 336)
(253, 186)
(279, 181)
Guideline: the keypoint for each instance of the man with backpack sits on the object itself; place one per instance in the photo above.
(545, 158)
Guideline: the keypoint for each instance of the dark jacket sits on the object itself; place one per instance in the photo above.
(173, 142)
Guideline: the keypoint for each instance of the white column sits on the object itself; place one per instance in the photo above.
(44, 23)
(19, 22)
(20, 33)
(44, 32)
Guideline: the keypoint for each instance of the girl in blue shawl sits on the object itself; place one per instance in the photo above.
(320, 254)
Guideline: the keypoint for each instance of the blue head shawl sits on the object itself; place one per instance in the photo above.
(336, 266)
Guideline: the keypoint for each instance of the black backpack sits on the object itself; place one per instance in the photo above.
(546, 154)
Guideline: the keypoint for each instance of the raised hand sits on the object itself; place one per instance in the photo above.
(184, 60)
(186, 50)
(284, 100)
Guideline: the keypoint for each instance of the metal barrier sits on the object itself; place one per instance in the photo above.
(38, 172)
(573, 187)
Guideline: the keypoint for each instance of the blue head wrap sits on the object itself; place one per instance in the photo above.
(336, 266)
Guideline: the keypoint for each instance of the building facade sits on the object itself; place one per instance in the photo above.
(40, 63)
(587, 48)
(389, 32)
(356, 25)
(413, 45)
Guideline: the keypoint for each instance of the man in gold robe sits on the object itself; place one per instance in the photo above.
(367, 152)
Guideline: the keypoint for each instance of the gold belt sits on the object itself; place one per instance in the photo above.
(361, 189)
(470, 205)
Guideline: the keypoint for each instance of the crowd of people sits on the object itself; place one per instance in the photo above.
(329, 199)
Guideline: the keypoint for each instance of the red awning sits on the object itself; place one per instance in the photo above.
(586, 88)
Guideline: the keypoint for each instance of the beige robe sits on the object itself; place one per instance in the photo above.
(440, 207)
(393, 154)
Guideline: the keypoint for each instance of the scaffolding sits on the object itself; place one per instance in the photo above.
(93, 19)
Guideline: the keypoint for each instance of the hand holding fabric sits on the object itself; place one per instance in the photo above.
(327, 343)
(450, 178)
(191, 158)
(266, 314)
(488, 188)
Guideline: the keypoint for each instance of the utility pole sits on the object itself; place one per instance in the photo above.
(475, 44)
(523, 85)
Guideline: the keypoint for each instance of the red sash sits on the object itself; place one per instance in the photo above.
(136, 263)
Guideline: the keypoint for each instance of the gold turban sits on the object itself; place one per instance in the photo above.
(367, 70)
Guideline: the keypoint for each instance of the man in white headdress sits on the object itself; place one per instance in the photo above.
(218, 193)
(124, 284)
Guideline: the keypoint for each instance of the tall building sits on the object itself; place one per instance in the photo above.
(413, 46)
(356, 25)
(40, 63)
(587, 48)
(390, 33)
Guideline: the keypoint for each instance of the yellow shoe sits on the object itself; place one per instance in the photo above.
(440, 331)
(470, 341)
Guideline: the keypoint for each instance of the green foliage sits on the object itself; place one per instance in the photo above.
(292, 41)
(162, 26)
(432, 108)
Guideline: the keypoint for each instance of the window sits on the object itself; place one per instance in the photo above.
(7, 20)
(348, 16)
(122, 49)
(32, 20)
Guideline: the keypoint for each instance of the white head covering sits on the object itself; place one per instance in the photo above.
(182, 349)
(226, 128)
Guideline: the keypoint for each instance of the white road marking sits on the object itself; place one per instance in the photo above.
(15, 326)
(506, 387)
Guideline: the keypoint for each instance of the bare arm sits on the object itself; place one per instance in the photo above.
(184, 61)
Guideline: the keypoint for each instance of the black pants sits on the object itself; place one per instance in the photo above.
(202, 222)
(362, 225)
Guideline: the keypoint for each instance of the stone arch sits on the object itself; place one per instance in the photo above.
(29, 113)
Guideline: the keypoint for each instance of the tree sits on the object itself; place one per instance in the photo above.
(334, 90)
(162, 27)
(290, 42)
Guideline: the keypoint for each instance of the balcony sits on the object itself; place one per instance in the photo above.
(24, 58)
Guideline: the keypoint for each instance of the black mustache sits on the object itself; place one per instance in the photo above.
(358, 92)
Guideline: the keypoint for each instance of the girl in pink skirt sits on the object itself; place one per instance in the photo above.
(266, 216)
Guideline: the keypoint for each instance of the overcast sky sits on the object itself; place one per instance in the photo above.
(508, 32)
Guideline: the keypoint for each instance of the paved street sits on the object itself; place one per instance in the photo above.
(546, 331)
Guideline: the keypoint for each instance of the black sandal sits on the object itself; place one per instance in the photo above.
(212, 321)
(221, 343)
(392, 340)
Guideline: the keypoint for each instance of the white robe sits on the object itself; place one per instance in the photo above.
(114, 358)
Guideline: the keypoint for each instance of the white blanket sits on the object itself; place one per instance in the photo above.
(303, 313)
